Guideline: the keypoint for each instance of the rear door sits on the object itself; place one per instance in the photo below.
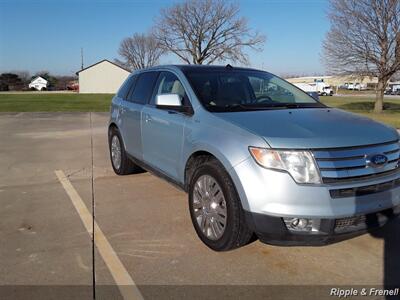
(131, 119)
(162, 130)
(122, 104)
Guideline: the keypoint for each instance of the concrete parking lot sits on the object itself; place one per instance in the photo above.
(143, 223)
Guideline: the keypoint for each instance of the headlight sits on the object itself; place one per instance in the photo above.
(299, 164)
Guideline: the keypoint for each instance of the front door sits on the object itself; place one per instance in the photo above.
(163, 130)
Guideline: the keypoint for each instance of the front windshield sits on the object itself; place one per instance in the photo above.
(238, 90)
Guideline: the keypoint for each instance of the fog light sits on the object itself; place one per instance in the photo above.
(298, 224)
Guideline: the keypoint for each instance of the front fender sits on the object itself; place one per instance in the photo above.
(225, 141)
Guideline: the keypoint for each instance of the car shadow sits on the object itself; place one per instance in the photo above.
(390, 234)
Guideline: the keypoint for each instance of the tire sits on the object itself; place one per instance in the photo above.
(235, 231)
(125, 165)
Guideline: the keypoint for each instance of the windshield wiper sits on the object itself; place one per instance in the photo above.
(240, 106)
(299, 105)
(286, 105)
(254, 106)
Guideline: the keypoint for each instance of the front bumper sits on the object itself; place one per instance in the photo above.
(273, 193)
(273, 230)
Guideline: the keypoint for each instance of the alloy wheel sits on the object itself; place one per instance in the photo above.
(116, 152)
(209, 207)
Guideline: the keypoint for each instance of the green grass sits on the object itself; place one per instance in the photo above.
(70, 102)
(365, 106)
(354, 92)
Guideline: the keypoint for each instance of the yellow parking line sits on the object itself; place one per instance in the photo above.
(121, 276)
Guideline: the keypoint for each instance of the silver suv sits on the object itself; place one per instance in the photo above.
(257, 156)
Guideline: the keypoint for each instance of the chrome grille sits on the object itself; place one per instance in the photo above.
(361, 222)
(349, 222)
(365, 190)
(341, 164)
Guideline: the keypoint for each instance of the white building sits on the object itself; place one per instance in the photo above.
(101, 77)
(38, 83)
(394, 86)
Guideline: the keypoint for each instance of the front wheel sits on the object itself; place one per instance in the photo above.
(215, 209)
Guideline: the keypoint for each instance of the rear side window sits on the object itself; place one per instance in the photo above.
(143, 88)
(126, 87)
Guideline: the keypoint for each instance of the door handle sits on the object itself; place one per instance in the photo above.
(147, 119)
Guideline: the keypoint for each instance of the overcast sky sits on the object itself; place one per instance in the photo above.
(48, 34)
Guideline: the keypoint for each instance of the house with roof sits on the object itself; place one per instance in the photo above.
(38, 83)
(102, 77)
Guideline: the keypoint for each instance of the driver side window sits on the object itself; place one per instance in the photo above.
(168, 83)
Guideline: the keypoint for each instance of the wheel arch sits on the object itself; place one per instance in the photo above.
(199, 156)
(195, 159)
(110, 126)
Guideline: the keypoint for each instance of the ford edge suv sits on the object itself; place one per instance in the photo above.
(257, 156)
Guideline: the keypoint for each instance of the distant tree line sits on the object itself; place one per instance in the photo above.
(19, 81)
(196, 31)
(10, 81)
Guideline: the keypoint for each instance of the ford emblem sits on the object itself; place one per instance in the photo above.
(377, 160)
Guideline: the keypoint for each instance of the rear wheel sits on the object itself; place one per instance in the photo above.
(120, 162)
(215, 209)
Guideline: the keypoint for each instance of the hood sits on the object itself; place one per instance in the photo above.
(311, 128)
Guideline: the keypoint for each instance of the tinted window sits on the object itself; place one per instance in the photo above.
(168, 83)
(143, 88)
(241, 90)
(126, 87)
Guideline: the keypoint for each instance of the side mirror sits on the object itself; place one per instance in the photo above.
(172, 102)
(169, 100)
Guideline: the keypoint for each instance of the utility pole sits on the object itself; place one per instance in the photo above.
(81, 58)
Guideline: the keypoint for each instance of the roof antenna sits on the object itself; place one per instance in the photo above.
(228, 66)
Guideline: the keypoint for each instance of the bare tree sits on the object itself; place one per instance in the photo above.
(24, 75)
(139, 51)
(396, 77)
(364, 38)
(205, 31)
